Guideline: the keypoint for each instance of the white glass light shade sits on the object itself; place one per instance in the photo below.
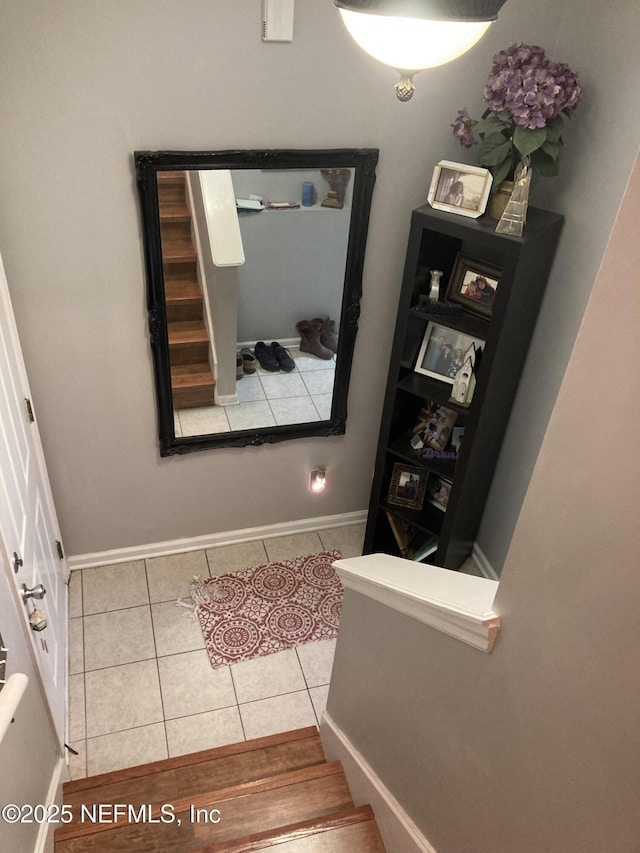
(412, 44)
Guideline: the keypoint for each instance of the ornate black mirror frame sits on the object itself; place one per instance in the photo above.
(362, 163)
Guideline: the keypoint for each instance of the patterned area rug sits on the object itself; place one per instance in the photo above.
(266, 609)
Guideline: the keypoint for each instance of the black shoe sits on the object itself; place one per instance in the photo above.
(283, 357)
(266, 357)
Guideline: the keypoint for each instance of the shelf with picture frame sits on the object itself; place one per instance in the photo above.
(413, 507)
(433, 440)
(413, 542)
(497, 283)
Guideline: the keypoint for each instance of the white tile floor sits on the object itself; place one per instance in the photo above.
(269, 399)
(141, 687)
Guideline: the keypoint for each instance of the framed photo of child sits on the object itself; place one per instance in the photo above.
(474, 284)
(459, 188)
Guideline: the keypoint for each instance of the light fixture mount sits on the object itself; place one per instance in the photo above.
(411, 35)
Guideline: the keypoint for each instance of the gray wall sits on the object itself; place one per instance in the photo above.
(86, 84)
(534, 747)
(600, 43)
(294, 259)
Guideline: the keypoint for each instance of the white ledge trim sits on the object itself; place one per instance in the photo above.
(457, 604)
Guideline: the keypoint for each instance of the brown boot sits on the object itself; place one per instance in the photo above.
(310, 331)
(328, 337)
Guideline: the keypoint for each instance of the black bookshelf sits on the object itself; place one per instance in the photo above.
(436, 240)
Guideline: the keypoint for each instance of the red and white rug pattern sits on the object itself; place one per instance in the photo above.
(269, 608)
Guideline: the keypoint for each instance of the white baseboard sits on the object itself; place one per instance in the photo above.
(44, 841)
(211, 540)
(484, 565)
(399, 833)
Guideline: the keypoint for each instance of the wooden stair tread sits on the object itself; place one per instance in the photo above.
(191, 376)
(178, 252)
(187, 332)
(245, 809)
(174, 212)
(184, 270)
(352, 830)
(182, 289)
(182, 292)
(169, 177)
(221, 767)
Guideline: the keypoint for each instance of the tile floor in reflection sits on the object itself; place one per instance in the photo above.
(268, 399)
(141, 687)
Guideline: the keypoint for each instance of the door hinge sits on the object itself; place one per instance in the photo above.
(59, 549)
(30, 414)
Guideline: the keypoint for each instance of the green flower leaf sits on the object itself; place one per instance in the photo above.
(494, 149)
(489, 126)
(501, 173)
(554, 129)
(544, 165)
(553, 149)
(527, 141)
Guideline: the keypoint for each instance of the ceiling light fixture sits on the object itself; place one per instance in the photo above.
(411, 35)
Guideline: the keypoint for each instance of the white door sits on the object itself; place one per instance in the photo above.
(27, 516)
(28, 753)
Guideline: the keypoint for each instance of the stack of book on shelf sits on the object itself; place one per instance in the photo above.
(413, 544)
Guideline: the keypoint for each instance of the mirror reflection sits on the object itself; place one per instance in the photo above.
(254, 265)
(283, 298)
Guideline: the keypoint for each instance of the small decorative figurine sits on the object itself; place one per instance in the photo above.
(338, 180)
(463, 385)
(464, 382)
(434, 292)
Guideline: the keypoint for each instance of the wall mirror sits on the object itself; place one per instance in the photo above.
(253, 253)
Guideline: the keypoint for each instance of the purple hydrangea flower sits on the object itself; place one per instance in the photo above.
(534, 90)
(524, 91)
(462, 129)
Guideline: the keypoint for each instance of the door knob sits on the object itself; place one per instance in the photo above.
(35, 592)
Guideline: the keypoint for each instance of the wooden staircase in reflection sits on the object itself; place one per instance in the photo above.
(192, 381)
(273, 792)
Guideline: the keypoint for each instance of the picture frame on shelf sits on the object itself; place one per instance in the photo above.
(433, 430)
(443, 351)
(408, 486)
(474, 284)
(438, 491)
(460, 188)
(457, 434)
(402, 531)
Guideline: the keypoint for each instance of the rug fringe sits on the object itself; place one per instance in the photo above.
(189, 603)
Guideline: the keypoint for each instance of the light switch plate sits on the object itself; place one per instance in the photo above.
(277, 20)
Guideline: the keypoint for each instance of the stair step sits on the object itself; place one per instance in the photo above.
(245, 809)
(178, 252)
(192, 386)
(170, 177)
(175, 213)
(352, 830)
(193, 398)
(185, 333)
(179, 271)
(182, 292)
(170, 188)
(183, 300)
(176, 234)
(191, 375)
(199, 772)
